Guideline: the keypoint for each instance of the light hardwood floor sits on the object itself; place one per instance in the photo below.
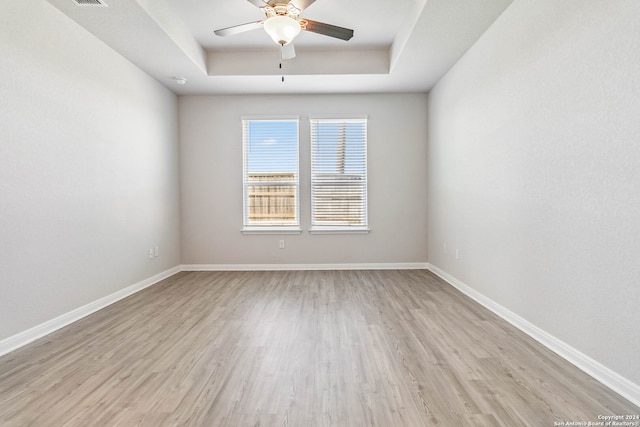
(297, 348)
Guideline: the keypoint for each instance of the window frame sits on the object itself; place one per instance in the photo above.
(338, 229)
(247, 227)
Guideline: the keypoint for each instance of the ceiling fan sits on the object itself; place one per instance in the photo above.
(283, 24)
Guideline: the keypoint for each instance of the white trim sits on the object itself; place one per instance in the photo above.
(338, 118)
(606, 376)
(270, 117)
(343, 230)
(23, 338)
(271, 230)
(284, 267)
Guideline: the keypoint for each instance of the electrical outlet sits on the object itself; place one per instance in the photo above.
(150, 252)
(281, 244)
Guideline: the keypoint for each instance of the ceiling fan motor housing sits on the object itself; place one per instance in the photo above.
(281, 9)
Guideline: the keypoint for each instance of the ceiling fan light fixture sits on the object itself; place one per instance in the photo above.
(282, 29)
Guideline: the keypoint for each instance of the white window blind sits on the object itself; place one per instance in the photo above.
(339, 174)
(271, 178)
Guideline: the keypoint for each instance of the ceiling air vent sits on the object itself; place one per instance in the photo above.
(91, 3)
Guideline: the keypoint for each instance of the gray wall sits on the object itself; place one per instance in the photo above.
(534, 157)
(88, 169)
(211, 181)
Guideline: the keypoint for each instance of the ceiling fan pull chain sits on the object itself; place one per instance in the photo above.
(281, 55)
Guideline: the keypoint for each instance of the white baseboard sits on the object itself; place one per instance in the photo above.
(23, 338)
(606, 376)
(284, 267)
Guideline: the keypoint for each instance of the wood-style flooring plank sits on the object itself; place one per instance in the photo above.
(296, 348)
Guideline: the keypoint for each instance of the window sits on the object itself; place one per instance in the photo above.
(339, 175)
(271, 179)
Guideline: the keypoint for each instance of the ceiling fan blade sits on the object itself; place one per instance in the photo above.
(237, 29)
(258, 3)
(327, 29)
(288, 51)
(302, 4)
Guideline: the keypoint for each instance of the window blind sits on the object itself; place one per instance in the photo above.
(338, 174)
(270, 173)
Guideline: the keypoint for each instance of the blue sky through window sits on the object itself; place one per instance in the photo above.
(272, 146)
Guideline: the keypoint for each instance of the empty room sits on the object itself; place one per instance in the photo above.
(319, 213)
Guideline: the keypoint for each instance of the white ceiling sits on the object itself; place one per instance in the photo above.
(398, 46)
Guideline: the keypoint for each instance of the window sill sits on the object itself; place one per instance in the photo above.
(339, 230)
(271, 230)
